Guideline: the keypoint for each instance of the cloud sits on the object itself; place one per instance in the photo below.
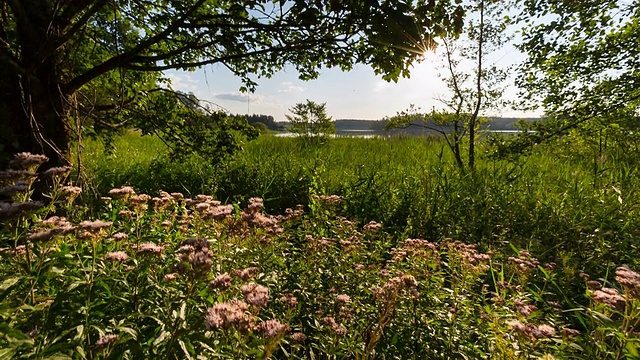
(181, 81)
(240, 97)
(289, 87)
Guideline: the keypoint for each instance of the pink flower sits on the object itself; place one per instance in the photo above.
(121, 193)
(106, 341)
(222, 281)
(255, 294)
(95, 226)
(298, 337)
(227, 314)
(27, 160)
(149, 248)
(271, 328)
(119, 256)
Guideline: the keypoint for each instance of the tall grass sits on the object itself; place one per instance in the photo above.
(569, 204)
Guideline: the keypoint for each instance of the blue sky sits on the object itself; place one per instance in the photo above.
(358, 94)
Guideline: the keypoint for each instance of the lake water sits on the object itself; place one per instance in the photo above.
(368, 134)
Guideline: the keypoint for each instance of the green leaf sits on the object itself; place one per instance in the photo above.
(7, 353)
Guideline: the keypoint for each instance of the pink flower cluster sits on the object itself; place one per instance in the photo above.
(228, 314)
(532, 331)
(333, 325)
(255, 294)
(222, 281)
(271, 328)
(609, 297)
(630, 281)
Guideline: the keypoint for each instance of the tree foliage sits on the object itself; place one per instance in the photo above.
(475, 85)
(62, 61)
(582, 65)
(310, 120)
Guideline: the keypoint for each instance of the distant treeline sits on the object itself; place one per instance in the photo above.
(352, 125)
(346, 125)
(265, 119)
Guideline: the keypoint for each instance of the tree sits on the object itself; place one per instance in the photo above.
(475, 85)
(310, 120)
(64, 60)
(582, 66)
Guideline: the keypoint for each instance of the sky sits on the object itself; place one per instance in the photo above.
(358, 94)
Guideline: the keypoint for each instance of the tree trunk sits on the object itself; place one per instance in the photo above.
(33, 118)
(34, 112)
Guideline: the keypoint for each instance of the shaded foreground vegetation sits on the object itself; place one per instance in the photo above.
(520, 260)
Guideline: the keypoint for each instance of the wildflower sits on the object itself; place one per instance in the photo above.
(71, 191)
(201, 260)
(629, 280)
(119, 256)
(203, 198)
(20, 186)
(271, 328)
(532, 331)
(12, 210)
(11, 175)
(106, 341)
(149, 248)
(227, 314)
(290, 300)
(57, 221)
(44, 235)
(95, 226)
(343, 298)
(257, 219)
(372, 227)
(290, 214)
(122, 193)
(202, 207)
(254, 205)
(594, 285)
(330, 200)
(524, 309)
(27, 160)
(222, 281)
(125, 213)
(359, 267)
(609, 297)
(298, 337)
(170, 277)
(219, 212)
(177, 195)
(246, 274)
(85, 235)
(545, 331)
(333, 325)
(255, 294)
(120, 236)
(58, 171)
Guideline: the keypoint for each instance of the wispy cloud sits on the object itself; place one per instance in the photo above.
(240, 97)
(289, 87)
(181, 81)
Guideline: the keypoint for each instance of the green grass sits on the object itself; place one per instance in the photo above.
(558, 202)
(133, 289)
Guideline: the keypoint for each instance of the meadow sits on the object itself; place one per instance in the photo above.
(355, 248)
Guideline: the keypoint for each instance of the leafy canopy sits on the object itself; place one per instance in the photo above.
(583, 60)
(104, 59)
